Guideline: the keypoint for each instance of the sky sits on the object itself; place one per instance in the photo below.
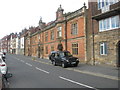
(15, 15)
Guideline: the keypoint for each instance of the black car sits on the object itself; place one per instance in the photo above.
(63, 58)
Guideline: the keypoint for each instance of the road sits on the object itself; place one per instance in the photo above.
(28, 73)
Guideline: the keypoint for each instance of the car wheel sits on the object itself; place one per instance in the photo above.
(5, 83)
(54, 63)
(64, 65)
(51, 61)
(75, 65)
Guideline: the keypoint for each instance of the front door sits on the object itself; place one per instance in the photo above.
(118, 64)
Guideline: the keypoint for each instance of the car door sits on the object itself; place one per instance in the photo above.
(52, 56)
(57, 58)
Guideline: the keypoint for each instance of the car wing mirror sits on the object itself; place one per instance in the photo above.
(8, 75)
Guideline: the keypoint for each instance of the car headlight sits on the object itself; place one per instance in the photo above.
(77, 59)
(67, 60)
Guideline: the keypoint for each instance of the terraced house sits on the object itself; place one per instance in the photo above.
(3, 44)
(68, 29)
(104, 32)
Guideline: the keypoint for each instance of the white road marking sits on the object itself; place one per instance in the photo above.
(77, 83)
(22, 61)
(28, 64)
(16, 58)
(42, 70)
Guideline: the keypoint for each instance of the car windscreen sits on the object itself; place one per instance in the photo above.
(65, 54)
(62, 54)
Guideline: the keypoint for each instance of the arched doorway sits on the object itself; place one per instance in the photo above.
(118, 54)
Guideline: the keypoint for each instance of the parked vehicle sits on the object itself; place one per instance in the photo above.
(3, 55)
(52, 55)
(4, 75)
(3, 81)
(63, 58)
(3, 66)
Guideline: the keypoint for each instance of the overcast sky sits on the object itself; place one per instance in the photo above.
(16, 15)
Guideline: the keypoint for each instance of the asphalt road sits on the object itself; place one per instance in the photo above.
(28, 73)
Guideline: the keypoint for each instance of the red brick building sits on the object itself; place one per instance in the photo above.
(68, 29)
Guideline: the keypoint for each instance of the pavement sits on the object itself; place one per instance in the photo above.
(109, 72)
(100, 70)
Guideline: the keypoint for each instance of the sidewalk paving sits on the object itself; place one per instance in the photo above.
(100, 70)
(107, 70)
(97, 70)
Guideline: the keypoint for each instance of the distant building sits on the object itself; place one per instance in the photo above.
(4, 44)
(13, 43)
(27, 43)
(22, 41)
(9, 40)
(17, 44)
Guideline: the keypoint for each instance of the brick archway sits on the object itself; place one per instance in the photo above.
(118, 54)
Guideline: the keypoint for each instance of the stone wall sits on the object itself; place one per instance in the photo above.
(111, 38)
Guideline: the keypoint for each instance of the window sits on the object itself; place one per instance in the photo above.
(104, 3)
(46, 36)
(109, 23)
(75, 48)
(118, 21)
(103, 48)
(113, 22)
(52, 35)
(99, 4)
(100, 25)
(74, 29)
(46, 48)
(59, 32)
(104, 24)
(52, 48)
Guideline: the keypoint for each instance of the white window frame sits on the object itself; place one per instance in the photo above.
(74, 28)
(103, 48)
(52, 35)
(75, 48)
(59, 32)
(108, 22)
(101, 2)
